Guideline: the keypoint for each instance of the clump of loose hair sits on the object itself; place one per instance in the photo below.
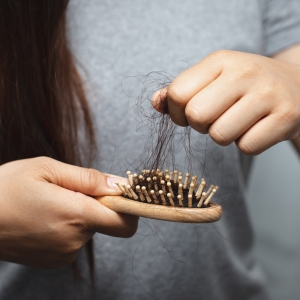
(163, 140)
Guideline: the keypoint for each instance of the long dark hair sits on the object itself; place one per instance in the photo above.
(42, 100)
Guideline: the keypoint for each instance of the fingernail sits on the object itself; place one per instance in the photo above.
(111, 181)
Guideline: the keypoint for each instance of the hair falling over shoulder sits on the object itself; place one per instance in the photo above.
(42, 100)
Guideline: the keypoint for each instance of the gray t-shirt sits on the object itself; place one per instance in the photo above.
(117, 42)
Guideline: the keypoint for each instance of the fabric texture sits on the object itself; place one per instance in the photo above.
(117, 42)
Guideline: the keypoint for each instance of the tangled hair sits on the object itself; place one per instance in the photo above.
(164, 145)
(162, 139)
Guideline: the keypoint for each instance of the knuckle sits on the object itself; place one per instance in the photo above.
(70, 249)
(45, 167)
(92, 178)
(250, 68)
(42, 161)
(176, 93)
(269, 90)
(59, 260)
(199, 117)
(221, 54)
(178, 118)
(219, 135)
(288, 114)
(248, 147)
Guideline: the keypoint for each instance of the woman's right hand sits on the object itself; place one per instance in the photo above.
(47, 213)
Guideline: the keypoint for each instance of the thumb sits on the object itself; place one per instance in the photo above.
(87, 181)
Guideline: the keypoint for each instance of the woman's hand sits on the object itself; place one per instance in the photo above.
(46, 215)
(233, 96)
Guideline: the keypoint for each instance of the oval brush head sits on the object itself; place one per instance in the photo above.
(165, 196)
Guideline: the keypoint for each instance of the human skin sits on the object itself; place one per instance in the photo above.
(47, 212)
(46, 215)
(238, 97)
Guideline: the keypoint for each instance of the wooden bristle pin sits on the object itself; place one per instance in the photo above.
(192, 186)
(210, 189)
(126, 190)
(166, 172)
(171, 199)
(190, 198)
(149, 183)
(129, 177)
(144, 190)
(163, 187)
(180, 174)
(169, 184)
(194, 180)
(134, 195)
(200, 189)
(162, 197)
(175, 176)
(154, 197)
(155, 185)
(121, 189)
(186, 182)
(180, 191)
(171, 175)
(160, 176)
(179, 179)
(138, 189)
(167, 177)
(202, 199)
(179, 197)
(135, 179)
(208, 199)
(141, 177)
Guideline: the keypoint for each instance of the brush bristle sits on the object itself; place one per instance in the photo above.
(164, 187)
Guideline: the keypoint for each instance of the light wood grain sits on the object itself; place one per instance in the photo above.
(160, 212)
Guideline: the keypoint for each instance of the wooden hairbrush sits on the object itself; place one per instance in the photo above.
(165, 196)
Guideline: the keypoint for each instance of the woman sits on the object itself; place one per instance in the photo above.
(44, 223)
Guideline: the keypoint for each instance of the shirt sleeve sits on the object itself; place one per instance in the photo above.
(281, 21)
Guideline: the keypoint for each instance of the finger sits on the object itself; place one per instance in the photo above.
(87, 181)
(238, 119)
(84, 213)
(211, 102)
(263, 135)
(106, 221)
(189, 83)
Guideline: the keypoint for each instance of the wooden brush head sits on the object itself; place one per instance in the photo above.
(165, 196)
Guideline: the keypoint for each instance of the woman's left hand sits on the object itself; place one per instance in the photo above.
(234, 96)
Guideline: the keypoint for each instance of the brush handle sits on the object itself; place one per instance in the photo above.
(160, 212)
